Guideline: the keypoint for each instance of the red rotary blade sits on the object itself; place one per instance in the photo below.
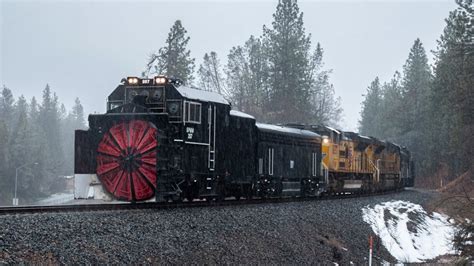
(126, 160)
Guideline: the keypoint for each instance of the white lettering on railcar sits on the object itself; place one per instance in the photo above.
(190, 132)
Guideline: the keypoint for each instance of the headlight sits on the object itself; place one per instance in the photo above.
(325, 139)
(132, 80)
(160, 80)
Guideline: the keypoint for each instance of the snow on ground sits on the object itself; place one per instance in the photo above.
(408, 232)
(59, 198)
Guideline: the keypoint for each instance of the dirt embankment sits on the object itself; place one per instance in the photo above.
(456, 198)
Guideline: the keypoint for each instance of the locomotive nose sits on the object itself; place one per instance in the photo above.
(126, 160)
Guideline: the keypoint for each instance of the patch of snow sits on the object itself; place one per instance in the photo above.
(202, 95)
(333, 129)
(408, 232)
(291, 130)
(240, 114)
(58, 198)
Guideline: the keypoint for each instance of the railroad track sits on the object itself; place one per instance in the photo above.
(31, 209)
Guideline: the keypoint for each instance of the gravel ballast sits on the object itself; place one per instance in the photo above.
(287, 233)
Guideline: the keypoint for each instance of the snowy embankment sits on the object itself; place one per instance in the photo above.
(408, 232)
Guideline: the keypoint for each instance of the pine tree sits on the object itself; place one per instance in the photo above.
(3, 145)
(210, 74)
(174, 59)
(416, 87)
(326, 108)
(20, 149)
(415, 98)
(50, 124)
(370, 114)
(7, 107)
(247, 76)
(392, 109)
(289, 57)
(78, 115)
(258, 79)
(452, 100)
(5, 177)
(38, 147)
(237, 71)
(34, 110)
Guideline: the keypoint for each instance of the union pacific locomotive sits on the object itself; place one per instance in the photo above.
(162, 140)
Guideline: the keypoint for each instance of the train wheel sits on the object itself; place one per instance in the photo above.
(189, 197)
(126, 160)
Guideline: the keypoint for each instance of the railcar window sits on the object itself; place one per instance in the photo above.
(260, 165)
(342, 153)
(192, 112)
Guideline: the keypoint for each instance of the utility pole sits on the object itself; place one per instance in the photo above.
(15, 199)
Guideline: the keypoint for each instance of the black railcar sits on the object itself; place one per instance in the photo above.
(288, 161)
(187, 143)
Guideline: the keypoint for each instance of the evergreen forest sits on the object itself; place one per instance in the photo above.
(430, 108)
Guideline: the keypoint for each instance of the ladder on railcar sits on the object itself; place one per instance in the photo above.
(212, 138)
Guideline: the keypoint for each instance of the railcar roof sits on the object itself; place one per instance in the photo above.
(240, 114)
(287, 130)
(202, 95)
(333, 129)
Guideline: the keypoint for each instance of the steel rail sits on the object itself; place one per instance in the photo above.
(32, 209)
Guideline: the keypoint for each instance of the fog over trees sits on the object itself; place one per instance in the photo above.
(430, 109)
(40, 137)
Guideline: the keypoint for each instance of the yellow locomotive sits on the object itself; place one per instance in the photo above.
(353, 162)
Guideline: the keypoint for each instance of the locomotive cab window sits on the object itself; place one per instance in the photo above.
(192, 112)
(156, 95)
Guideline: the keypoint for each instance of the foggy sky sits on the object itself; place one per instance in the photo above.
(83, 49)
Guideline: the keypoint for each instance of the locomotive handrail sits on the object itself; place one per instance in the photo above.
(325, 172)
(376, 172)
